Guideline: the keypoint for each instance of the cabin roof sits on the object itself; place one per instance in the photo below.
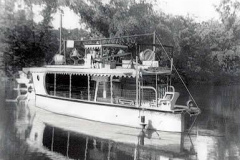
(81, 70)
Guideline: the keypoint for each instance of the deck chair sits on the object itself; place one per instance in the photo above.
(75, 56)
(58, 59)
(168, 101)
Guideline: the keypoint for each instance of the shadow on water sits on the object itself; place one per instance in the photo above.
(79, 146)
(24, 135)
(82, 139)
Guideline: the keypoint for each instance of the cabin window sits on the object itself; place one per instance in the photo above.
(104, 91)
(49, 83)
(124, 91)
(79, 89)
(62, 85)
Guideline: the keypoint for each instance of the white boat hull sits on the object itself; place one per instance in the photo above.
(113, 114)
(107, 113)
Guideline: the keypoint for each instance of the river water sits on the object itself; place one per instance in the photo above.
(215, 135)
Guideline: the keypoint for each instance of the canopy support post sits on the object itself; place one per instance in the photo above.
(55, 81)
(111, 83)
(96, 91)
(104, 90)
(137, 98)
(60, 31)
(89, 97)
(64, 51)
(156, 90)
(70, 86)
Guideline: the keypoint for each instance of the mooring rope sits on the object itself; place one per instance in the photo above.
(189, 130)
(178, 73)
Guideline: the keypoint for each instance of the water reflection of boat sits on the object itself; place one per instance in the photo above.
(24, 88)
(85, 139)
(207, 143)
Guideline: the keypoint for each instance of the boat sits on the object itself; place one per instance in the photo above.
(111, 83)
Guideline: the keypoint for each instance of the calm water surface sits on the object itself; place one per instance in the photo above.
(215, 135)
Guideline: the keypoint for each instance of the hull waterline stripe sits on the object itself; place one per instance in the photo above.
(104, 104)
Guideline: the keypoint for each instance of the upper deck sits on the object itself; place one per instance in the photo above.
(84, 70)
(110, 59)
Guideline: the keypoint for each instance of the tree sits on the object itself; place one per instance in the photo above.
(203, 51)
(228, 42)
(26, 42)
(119, 17)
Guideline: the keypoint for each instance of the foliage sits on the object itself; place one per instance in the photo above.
(27, 43)
(204, 52)
(119, 17)
(209, 51)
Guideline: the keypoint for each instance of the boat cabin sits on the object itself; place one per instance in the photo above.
(110, 75)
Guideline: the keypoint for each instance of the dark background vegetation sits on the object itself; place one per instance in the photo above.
(206, 52)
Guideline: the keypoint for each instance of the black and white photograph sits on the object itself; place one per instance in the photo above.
(119, 79)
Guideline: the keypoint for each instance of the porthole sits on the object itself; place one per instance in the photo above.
(38, 78)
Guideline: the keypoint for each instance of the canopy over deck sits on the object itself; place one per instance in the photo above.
(81, 70)
(99, 46)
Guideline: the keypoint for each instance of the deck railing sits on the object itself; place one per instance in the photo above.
(118, 94)
(161, 90)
